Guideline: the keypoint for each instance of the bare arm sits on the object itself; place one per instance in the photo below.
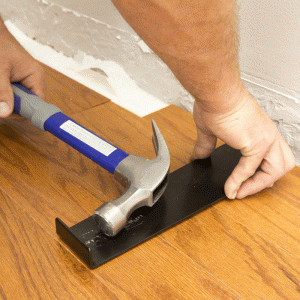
(197, 40)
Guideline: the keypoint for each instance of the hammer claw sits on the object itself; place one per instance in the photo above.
(145, 181)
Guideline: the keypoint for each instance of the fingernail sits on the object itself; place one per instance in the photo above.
(233, 196)
(4, 109)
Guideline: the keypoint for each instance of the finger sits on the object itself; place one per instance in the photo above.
(255, 184)
(204, 146)
(36, 81)
(245, 169)
(278, 161)
(6, 97)
(289, 157)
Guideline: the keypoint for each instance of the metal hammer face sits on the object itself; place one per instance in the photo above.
(145, 181)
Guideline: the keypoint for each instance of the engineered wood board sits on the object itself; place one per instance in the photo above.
(44, 189)
(35, 266)
(272, 213)
(240, 255)
(69, 95)
(128, 142)
(42, 184)
(156, 270)
(251, 265)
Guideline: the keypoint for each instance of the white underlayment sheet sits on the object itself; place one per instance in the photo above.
(104, 77)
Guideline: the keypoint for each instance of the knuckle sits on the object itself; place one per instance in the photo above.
(249, 170)
(36, 68)
(291, 163)
(237, 178)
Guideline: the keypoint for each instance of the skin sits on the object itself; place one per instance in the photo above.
(16, 65)
(197, 40)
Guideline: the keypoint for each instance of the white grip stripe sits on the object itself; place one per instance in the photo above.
(88, 138)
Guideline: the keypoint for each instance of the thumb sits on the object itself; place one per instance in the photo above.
(205, 145)
(6, 98)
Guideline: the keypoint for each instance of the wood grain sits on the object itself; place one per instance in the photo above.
(69, 95)
(48, 194)
(73, 209)
(270, 217)
(36, 266)
(127, 140)
(43, 184)
(246, 249)
(239, 257)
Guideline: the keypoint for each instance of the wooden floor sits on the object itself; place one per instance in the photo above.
(241, 249)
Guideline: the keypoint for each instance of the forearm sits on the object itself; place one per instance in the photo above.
(196, 39)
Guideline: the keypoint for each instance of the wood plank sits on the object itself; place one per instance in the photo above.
(240, 258)
(234, 250)
(35, 266)
(70, 96)
(45, 189)
(43, 184)
(155, 270)
(127, 140)
(273, 213)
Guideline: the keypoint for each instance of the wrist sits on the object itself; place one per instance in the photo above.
(226, 97)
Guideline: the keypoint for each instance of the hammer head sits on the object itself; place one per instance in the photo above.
(145, 181)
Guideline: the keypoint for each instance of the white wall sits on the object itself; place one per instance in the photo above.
(270, 40)
(269, 49)
(102, 10)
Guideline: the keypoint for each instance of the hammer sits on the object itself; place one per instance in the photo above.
(145, 179)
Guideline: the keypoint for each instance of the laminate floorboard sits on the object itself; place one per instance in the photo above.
(34, 265)
(241, 249)
(37, 179)
(281, 228)
(69, 95)
(44, 193)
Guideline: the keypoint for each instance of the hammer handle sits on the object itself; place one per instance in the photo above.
(50, 118)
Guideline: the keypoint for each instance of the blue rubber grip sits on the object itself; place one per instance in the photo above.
(55, 125)
(72, 133)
